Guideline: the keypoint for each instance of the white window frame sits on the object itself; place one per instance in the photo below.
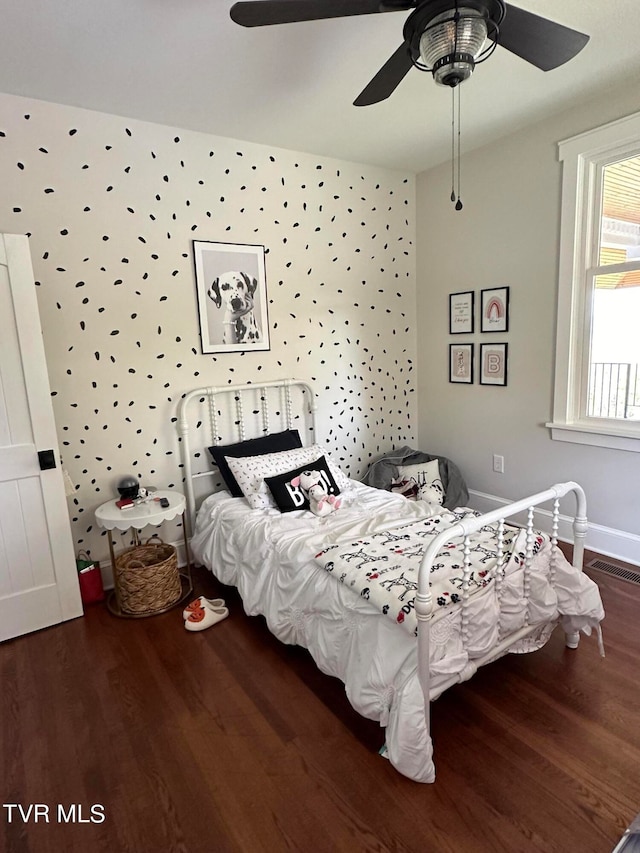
(583, 157)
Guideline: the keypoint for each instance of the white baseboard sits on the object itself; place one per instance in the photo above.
(609, 541)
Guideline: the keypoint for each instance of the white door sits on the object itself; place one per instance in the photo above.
(38, 579)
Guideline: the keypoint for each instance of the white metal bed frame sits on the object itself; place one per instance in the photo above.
(236, 416)
(241, 394)
(463, 530)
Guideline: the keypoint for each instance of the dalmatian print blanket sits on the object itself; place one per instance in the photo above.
(383, 567)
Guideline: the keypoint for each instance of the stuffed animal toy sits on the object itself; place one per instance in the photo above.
(321, 503)
(407, 488)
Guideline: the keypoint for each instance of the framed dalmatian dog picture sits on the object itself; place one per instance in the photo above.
(231, 285)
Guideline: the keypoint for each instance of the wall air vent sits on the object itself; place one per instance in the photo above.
(617, 571)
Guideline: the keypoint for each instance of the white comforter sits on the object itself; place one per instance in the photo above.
(269, 557)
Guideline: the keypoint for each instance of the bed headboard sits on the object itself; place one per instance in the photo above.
(231, 413)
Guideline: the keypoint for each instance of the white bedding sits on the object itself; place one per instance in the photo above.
(270, 557)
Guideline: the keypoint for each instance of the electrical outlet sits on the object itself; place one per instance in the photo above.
(498, 463)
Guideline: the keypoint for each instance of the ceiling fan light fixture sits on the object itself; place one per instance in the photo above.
(452, 43)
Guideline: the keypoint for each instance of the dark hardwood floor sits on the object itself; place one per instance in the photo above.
(227, 740)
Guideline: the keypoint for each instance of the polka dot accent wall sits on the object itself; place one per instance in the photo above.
(112, 205)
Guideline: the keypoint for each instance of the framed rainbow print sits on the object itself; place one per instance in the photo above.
(494, 305)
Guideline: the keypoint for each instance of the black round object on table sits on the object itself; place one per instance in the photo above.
(128, 487)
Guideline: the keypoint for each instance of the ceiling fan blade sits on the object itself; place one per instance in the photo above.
(261, 13)
(537, 40)
(386, 80)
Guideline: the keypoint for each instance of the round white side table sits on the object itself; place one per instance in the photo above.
(135, 518)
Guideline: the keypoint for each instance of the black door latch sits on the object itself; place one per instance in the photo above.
(47, 459)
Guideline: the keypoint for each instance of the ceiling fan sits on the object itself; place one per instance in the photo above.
(446, 37)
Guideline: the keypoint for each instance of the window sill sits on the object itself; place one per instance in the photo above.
(614, 438)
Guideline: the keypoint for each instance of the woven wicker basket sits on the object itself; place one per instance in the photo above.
(148, 577)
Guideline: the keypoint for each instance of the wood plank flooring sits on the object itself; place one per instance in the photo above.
(227, 740)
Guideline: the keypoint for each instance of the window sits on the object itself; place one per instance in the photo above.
(597, 384)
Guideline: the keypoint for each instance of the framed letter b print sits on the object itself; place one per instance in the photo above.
(231, 285)
(493, 364)
(461, 363)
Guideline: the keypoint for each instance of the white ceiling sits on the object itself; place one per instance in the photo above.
(186, 64)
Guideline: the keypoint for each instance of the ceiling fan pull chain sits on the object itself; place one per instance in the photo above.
(453, 145)
(458, 203)
(455, 149)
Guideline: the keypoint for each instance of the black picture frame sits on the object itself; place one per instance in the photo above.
(231, 285)
(461, 364)
(494, 309)
(461, 312)
(494, 364)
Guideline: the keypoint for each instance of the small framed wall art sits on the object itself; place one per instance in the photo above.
(493, 364)
(461, 363)
(494, 304)
(461, 312)
(231, 285)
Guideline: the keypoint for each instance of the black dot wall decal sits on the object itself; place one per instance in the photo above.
(113, 213)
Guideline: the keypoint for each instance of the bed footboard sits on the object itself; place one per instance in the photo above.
(572, 639)
(463, 530)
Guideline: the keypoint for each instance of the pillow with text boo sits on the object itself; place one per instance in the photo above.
(289, 497)
(251, 472)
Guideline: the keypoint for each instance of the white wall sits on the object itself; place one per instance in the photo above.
(112, 206)
(508, 234)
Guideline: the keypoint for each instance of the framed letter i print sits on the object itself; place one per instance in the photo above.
(461, 363)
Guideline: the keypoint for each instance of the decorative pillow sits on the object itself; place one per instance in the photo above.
(277, 441)
(250, 472)
(426, 476)
(288, 497)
